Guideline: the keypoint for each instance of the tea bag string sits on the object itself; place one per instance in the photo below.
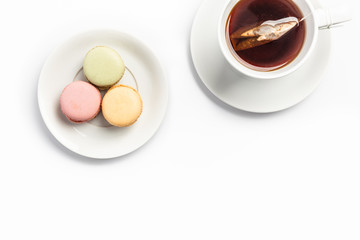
(331, 17)
(305, 17)
(283, 20)
(272, 30)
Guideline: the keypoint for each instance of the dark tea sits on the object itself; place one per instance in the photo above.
(271, 55)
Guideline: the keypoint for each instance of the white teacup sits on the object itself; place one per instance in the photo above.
(315, 20)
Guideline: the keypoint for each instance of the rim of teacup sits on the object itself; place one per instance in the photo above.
(311, 36)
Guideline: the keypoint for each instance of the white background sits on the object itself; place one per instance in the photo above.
(210, 172)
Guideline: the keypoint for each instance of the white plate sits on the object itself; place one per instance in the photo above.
(252, 95)
(97, 139)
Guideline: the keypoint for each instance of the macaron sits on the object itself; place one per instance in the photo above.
(121, 106)
(80, 101)
(103, 67)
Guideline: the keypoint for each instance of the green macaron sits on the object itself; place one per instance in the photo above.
(103, 67)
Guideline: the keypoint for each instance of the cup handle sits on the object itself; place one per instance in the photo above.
(331, 17)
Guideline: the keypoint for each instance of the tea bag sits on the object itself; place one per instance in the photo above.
(267, 32)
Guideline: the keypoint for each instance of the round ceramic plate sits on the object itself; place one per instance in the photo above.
(252, 95)
(96, 138)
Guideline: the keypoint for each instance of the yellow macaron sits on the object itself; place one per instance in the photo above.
(122, 106)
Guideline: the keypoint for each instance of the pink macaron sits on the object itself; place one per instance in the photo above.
(80, 101)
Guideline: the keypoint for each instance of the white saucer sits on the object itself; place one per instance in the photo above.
(252, 95)
(97, 139)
